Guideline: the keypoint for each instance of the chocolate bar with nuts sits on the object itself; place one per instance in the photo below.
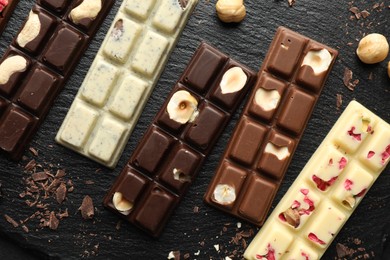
(122, 77)
(328, 189)
(263, 143)
(38, 62)
(7, 7)
(171, 152)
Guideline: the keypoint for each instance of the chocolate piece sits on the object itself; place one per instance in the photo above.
(260, 150)
(6, 12)
(87, 209)
(313, 211)
(36, 66)
(122, 76)
(171, 152)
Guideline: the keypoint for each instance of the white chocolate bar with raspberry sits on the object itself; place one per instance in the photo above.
(328, 189)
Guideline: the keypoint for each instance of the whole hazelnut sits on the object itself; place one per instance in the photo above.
(231, 10)
(373, 48)
(388, 69)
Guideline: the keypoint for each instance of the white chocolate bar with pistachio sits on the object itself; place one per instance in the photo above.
(122, 77)
(328, 189)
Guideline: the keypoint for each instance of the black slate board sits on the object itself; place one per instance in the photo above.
(196, 233)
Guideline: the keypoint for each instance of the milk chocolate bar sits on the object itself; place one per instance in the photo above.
(263, 143)
(122, 77)
(37, 64)
(171, 152)
(328, 189)
(7, 7)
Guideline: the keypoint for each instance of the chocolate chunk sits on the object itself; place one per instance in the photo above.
(87, 209)
(11, 221)
(39, 176)
(61, 193)
(171, 152)
(53, 221)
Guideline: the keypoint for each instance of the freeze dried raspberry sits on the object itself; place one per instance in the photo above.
(3, 4)
(348, 184)
(360, 194)
(269, 256)
(370, 154)
(342, 163)
(323, 185)
(386, 154)
(357, 137)
(314, 238)
(306, 256)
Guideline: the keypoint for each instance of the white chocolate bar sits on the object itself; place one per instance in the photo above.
(122, 77)
(328, 189)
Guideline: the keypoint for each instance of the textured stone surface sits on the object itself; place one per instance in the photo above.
(325, 21)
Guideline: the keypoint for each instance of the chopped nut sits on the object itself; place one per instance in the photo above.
(349, 201)
(280, 152)
(182, 107)
(231, 10)
(10, 66)
(319, 61)
(233, 80)
(88, 9)
(121, 204)
(292, 217)
(267, 99)
(180, 176)
(61, 193)
(30, 30)
(388, 69)
(224, 194)
(339, 101)
(373, 48)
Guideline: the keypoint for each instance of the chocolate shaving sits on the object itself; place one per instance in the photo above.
(30, 165)
(25, 228)
(33, 151)
(11, 221)
(348, 78)
(86, 208)
(53, 221)
(343, 251)
(364, 13)
(339, 101)
(39, 176)
(356, 12)
(60, 174)
(61, 193)
(183, 4)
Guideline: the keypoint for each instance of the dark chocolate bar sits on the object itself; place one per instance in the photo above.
(7, 7)
(263, 143)
(38, 62)
(171, 152)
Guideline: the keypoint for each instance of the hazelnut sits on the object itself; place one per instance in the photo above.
(388, 69)
(224, 194)
(292, 217)
(182, 107)
(267, 99)
(30, 30)
(10, 66)
(233, 80)
(373, 48)
(121, 204)
(280, 152)
(88, 9)
(231, 10)
(178, 175)
(319, 61)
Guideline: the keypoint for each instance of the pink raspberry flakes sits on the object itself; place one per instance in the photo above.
(361, 193)
(306, 256)
(357, 137)
(342, 163)
(323, 185)
(348, 184)
(370, 154)
(315, 239)
(269, 256)
(386, 154)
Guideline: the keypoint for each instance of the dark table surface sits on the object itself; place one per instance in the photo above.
(196, 229)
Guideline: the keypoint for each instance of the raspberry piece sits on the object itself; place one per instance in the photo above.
(370, 154)
(386, 154)
(269, 256)
(348, 184)
(357, 137)
(314, 238)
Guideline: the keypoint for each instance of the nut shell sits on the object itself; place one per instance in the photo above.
(373, 48)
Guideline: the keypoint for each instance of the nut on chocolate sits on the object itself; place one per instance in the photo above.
(182, 107)
(88, 9)
(233, 80)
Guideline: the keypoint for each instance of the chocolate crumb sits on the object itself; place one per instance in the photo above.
(39, 176)
(347, 80)
(25, 228)
(196, 209)
(89, 182)
(11, 221)
(86, 208)
(343, 251)
(364, 13)
(33, 151)
(61, 193)
(53, 221)
(339, 101)
(60, 174)
(30, 165)
(186, 256)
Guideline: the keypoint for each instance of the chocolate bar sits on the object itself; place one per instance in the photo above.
(38, 62)
(263, 143)
(7, 7)
(328, 189)
(122, 77)
(171, 152)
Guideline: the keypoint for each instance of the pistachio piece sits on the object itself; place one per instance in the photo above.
(182, 107)
(121, 204)
(88, 9)
(30, 30)
(319, 61)
(224, 194)
(10, 66)
(233, 80)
